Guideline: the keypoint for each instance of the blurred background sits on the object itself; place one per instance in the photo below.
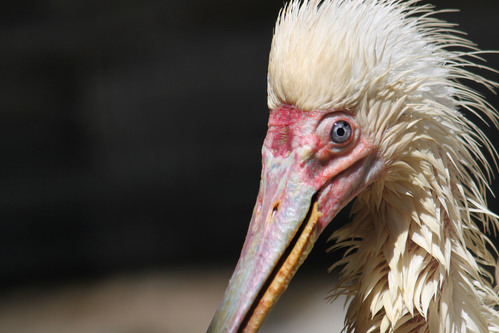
(130, 136)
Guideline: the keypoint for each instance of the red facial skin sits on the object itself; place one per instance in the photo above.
(306, 179)
(291, 128)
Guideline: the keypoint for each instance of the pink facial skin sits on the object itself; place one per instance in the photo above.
(302, 166)
(337, 171)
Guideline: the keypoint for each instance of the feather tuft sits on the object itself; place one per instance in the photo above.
(417, 255)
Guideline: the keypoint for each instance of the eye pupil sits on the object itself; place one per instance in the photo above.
(341, 132)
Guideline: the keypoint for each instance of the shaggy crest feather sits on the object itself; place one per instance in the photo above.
(417, 251)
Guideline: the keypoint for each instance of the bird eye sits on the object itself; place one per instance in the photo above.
(341, 132)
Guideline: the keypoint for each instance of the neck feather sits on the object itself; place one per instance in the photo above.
(416, 258)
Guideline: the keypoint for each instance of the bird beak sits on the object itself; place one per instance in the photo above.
(288, 217)
(281, 234)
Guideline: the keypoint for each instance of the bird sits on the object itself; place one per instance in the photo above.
(369, 102)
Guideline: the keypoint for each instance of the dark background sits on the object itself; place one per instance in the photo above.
(130, 132)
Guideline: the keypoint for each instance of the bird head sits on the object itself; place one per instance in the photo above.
(356, 88)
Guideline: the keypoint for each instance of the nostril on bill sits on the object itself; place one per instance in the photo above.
(274, 211)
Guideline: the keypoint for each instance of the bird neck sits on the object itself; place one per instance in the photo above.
(411, 264)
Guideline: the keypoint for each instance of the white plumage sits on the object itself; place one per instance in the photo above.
(418, 251)
(417, 256)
